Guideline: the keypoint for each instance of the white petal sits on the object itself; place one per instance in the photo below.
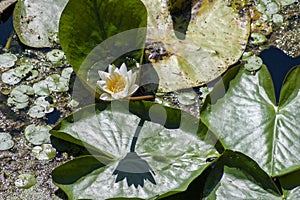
(119, 95)
(101, 83)
(129, 74)
(106, 90)
(106, 97)
(103, 75)
(123, 69)
(133, 77)
(132, 89)
(111, 68)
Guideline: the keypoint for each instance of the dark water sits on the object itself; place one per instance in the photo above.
(6, 28)
(279, 65)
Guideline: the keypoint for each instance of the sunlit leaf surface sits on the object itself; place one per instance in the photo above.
(248, 120)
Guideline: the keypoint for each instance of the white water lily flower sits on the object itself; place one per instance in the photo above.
(117, 83)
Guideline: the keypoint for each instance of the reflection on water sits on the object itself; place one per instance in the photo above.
(278, 64)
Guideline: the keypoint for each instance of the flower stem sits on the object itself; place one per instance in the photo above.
(136, 135)
(146, 97)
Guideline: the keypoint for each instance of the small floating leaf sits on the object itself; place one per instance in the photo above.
(14, 76)
(34, 74)
(37, 135)
(25, 181)
(253, 63)
(7, 60)
(6, 141)
(66, 73)
(9, 77)
(55, 56)
(41, 88)
(41, 101)
(187, 98)
(36, 111)
(56, 83)
(44, 152)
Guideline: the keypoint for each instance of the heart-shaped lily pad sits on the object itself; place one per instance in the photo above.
(248, 120)
(216, 37)
(165, 160)
(105, 31)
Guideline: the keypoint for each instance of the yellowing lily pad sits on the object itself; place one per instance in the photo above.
(215, 38)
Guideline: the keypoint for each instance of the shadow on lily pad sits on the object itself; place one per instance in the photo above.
(135, 169)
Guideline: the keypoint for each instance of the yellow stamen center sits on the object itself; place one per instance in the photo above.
(116, 83)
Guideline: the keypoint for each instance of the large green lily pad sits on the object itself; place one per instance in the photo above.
(248, 120)
(215, 39)
(177, 156)
(235, 176)
(36, 22)
(99, 32)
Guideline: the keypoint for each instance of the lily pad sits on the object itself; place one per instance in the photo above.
(105, 31)
(25, 181)
(37, 135)
(57, 83)
(187, 98)
(55, 56)
(7, 60)
(36, 21)
(173, 157)
(37, 111)
(19, 96)
(235, 176)
(44, 152)
(236, 184)
(6, 141)
(41, 88)
(248, 120)
(215, 39)
(15, 75)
